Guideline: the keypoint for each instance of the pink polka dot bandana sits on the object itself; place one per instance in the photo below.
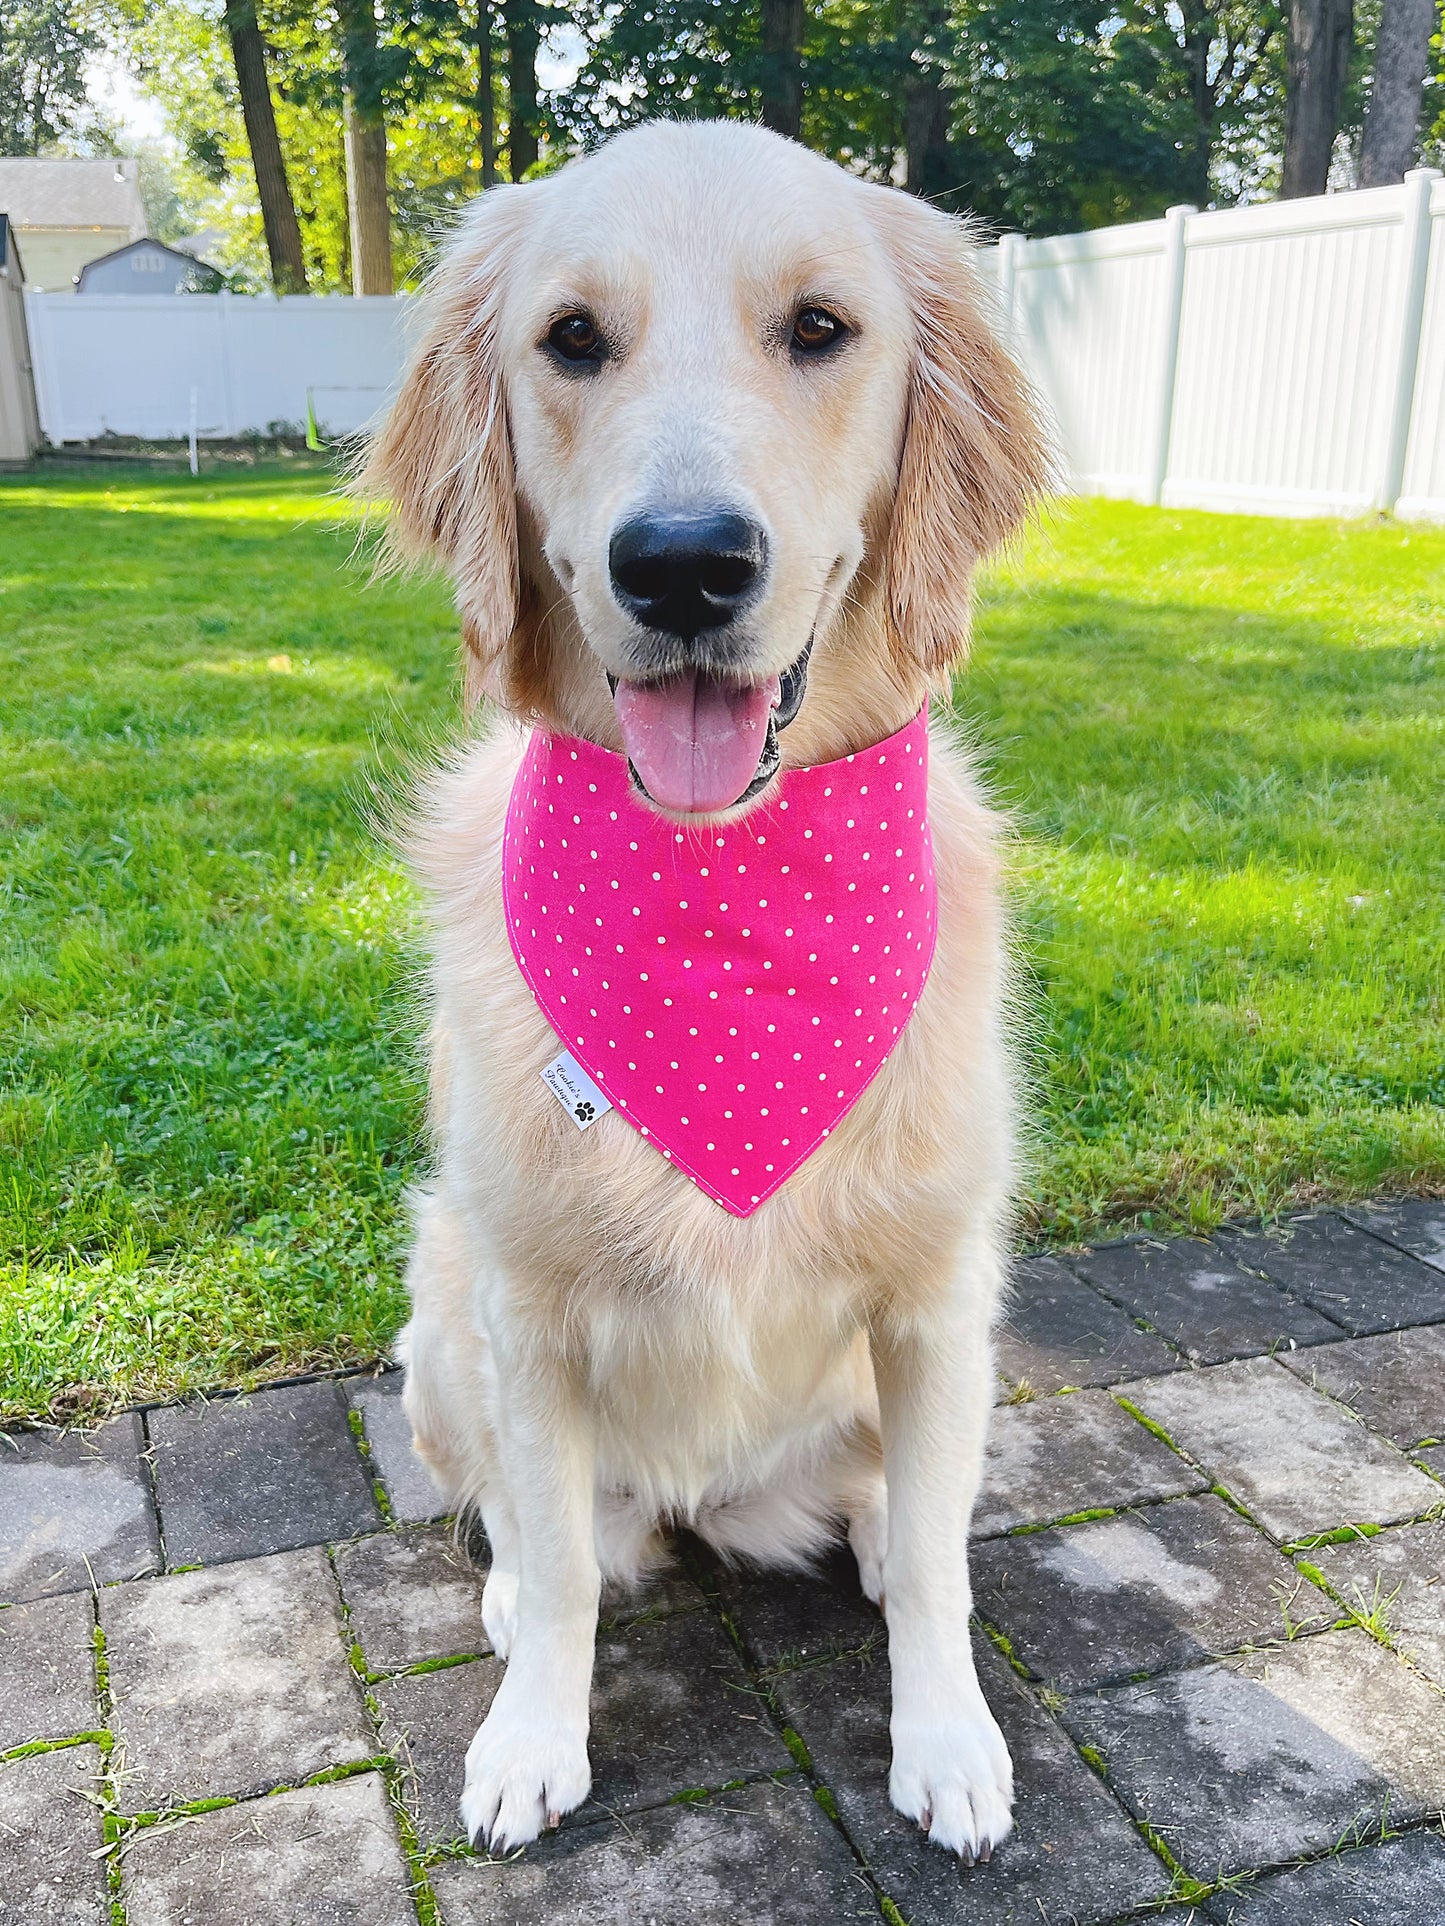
(734, 990)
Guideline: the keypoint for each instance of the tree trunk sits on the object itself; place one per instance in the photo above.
(1402, 60)
(486, 100)
(782, 69)
(278, 210)
(1321, 33)
(925, 102)
(524, 124)
(365, 128)
(925, 133)
(1198, 37)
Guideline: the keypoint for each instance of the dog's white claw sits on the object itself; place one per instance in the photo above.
(522, 1775)
(953, 1777)
(499, 1610)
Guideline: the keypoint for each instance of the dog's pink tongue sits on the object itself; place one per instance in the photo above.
(695, 742)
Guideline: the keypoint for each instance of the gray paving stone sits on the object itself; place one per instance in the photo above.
(74, 1506)
(241, 1477)
(409, 1486)
(1058, 1456)
(50, 1835)
(1058, 1332)
(1148, 1590)
(1433, 1460)
(787, 1618)
(428, 1721)
(1400, 1883)
(47, 1671)
(1298, 1462)
(1415, 1224)
(1201, 1300)
(1361, 1283)
(231, 1680)
(670, 1710)
(664, 1594)
(1404, 1572)
(764, 1854)
(320, 1856)
(1395, 1381)
(413, 1595)
(1074, 1855)
(1266, 1758)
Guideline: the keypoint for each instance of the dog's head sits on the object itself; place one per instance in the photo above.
(690, 413)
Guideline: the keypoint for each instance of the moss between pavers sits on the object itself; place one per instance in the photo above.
(33, 1748)
(363, 1445)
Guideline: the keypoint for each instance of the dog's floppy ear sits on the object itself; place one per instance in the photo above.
(442, 457)
(974, 457)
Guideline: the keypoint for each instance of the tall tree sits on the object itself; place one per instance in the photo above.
(44, 46)
(1079, 113)
(486, 95)
(1218, 55)
(782, 67)
(1392, 118)
(524, 120)
(365, 132)
(278, 210)
(926, 106)
(1317, 64)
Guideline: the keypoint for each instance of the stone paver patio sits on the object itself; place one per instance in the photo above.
(241, 1655)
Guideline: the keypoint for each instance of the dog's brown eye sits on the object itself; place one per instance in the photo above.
(814, 329)
(575, 338)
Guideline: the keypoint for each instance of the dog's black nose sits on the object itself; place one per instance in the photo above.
(686, 573)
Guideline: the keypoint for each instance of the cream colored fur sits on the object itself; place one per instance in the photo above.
(597, 1351)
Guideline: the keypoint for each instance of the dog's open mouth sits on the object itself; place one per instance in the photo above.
(698, 744)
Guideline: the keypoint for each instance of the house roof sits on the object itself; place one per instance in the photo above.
(73, 193)
(200, 271)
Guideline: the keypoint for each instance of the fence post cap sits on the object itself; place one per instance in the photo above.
(1180, 208)
(1423, 174)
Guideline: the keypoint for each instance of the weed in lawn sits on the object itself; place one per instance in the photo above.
(1219, 738)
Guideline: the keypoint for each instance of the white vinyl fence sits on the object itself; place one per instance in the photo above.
(1284, 359)
(164, 366)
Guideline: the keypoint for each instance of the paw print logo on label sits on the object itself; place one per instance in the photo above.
(582, 1099)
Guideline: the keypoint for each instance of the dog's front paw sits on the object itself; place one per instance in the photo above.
(524, 1771)
(953, 1776)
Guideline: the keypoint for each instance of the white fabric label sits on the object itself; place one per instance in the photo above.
(575, 1090)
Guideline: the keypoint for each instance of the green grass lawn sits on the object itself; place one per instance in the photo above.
(1221, 739)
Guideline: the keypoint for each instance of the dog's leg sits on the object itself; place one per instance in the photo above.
(868, 1538)
(451, 1397)
(527, 1764)
(951, 1769)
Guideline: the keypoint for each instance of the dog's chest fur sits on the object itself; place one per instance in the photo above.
(700, 1335)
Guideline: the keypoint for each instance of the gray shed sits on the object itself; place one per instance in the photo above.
(147, 267)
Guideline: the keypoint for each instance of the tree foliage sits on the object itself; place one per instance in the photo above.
(1043, 115)
(44, 47)
(1060, 113)
(426, 79)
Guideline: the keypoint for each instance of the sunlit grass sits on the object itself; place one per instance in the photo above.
(1220, 738)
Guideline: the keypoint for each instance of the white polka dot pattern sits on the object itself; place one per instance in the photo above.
(733, 989)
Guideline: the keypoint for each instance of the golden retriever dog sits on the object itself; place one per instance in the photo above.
(709, 436)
